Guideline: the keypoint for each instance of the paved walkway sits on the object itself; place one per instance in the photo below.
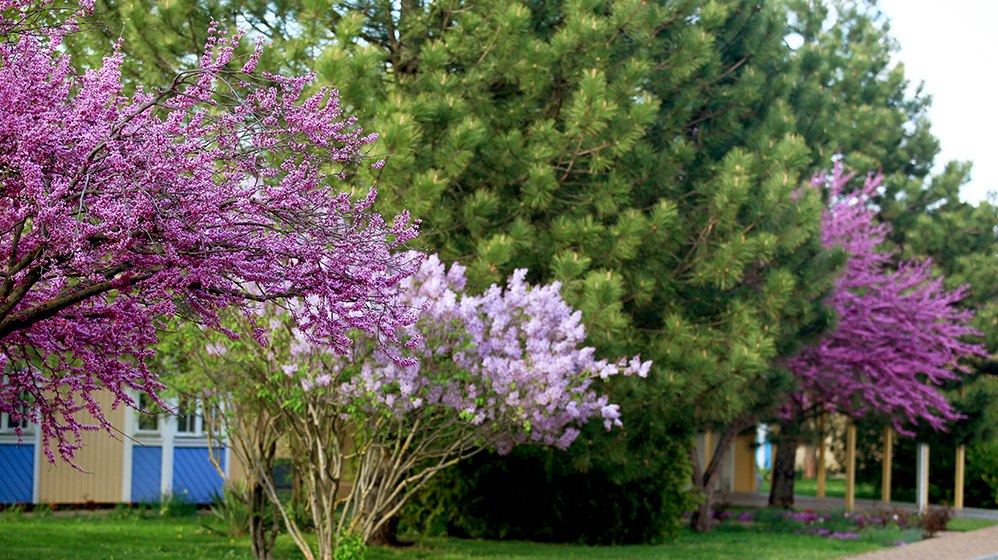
(981, 544)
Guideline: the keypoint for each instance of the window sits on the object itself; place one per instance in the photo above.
(148, 421)
(8, 425)
(188, 417)
(189, 420)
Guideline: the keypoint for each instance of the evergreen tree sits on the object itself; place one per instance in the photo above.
(660, 192)
(648, 156)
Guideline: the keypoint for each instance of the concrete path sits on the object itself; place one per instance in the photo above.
(981, 544)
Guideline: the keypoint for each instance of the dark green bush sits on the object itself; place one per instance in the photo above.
(532, 495)
(982, 474)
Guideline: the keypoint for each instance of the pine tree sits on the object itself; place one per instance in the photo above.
(611, 170)
(647, 156)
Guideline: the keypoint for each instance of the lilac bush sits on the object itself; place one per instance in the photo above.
(507, 362)
(483, 371)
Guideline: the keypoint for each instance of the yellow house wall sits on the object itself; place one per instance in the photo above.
(744, 463)
(101, 459)
(237, 471)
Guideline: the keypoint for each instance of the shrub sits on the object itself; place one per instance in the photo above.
(933, 520)
(885, 527)
(533, 494)
(175, 505)
(11, 512)
(229, 513)
(982, 474)
(129, 511)
(350, 547)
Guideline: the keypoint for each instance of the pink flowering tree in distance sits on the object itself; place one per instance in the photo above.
(494, 370)
(117, 211)
(899, 336)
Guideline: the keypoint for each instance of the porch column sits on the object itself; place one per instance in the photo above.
(850, 504)
(885, 479)
(821, 456)
(922, 482)
(961, 457)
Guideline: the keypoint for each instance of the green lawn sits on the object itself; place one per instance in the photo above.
(110, 538)
(725, 543)
(961, 524)
(834, 488)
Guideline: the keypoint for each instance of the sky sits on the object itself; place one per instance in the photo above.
(952, 46)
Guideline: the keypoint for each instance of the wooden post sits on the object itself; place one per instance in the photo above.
(922, 473)
(851, 467)
(821, 456)
(961, 457)
(885, 479)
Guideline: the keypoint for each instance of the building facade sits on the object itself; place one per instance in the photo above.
(152, 457)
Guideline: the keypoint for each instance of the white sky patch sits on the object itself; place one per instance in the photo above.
(951, 46)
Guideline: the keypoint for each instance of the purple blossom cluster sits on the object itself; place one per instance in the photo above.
(118, 210)
(807, 517)
(507, 364)
(901, 519)
(845, 526)
(900, 334)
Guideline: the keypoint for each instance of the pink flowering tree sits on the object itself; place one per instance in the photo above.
(117, 211)
(495, 370)
(900, 334)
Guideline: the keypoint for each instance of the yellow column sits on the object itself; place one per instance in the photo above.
(885, 479)
(961, 457)
(851, 467)
(821, 456)
(744, 464)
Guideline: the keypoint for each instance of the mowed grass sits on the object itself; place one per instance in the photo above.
(834, 488)
(87, 537)
(724, 543)
(963, 524)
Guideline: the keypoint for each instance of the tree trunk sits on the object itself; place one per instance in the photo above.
(263, 528)
(782, 492)
(387, 534)
(705, 479)
(700, 521)
(262, 536)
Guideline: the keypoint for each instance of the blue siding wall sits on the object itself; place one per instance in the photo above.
(147, 464)
(194, 477)
(17, 472)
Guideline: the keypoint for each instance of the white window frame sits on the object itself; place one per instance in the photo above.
(6, 429)
(193, 415)
(158, 417)
(5, 425)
